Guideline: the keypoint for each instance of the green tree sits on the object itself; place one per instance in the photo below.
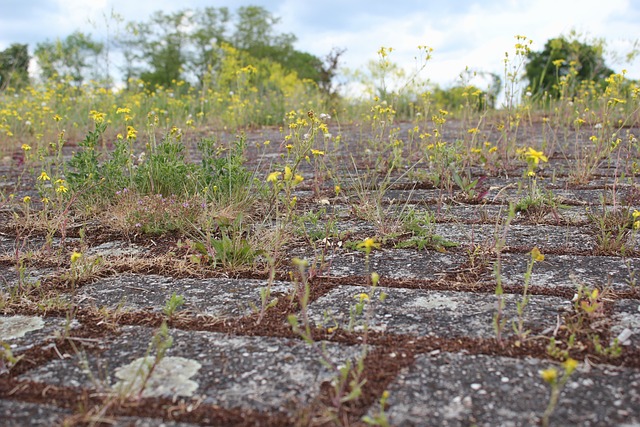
(159, 46)
(76, 57)
(565, 58)
(255, 34)
(14, 66)
(207, 37)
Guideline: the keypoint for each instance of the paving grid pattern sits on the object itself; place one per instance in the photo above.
(430, 342)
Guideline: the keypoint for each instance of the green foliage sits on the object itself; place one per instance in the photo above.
(458, 97)
(163, 172)
(14, 67)
(565, 60)
(69, 59)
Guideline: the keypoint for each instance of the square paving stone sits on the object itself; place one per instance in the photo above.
(24, 332)
(420, 312)
(450, 389)
(218, 297)
(572, 271)
(258, 373)
(9, 277)
(395, 263)
(20, 414)
(545, 237)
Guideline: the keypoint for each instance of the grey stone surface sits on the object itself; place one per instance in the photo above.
(626, 322)
(572, 271)
(115, 249)
(548, 237)
(25, 332)
(22, 414)
(418, 312)
(9, 277)
(218, 297)
(392, 263)
(449, 389)
(250, 372)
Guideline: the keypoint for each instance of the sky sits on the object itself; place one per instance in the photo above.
(462, 33)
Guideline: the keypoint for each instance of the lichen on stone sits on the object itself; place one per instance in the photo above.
(18, 326)
(170, 377)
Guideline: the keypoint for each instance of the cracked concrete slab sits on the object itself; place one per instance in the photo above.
(395, 263)
(572, 271)
(217, 297)
(419, 312)
(450, 389)
(20, 414)
(258, 373)
(24, 332)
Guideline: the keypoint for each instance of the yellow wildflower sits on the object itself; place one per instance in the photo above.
(75, 256)
(549, 375)
(536, 255)
(273, 176)
(287, 173)
(570, 365)
(61, 189)
(132, 133)
(368, 244)
(26, 199)
(535, 156)
(26, 147)
(363, 297)
(43, 177)
(317, 152)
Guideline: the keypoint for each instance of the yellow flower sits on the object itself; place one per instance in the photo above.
(535, 156)
(635, 214)
(75, 256)
(536, 255)
(123, 110)
(287, 173)
(44, 177)
(337, 189)
(61, 189)
(317, 152)
(26, 147)
(26, 199)
(368, 244)
(273, 177)
(297, 179)
(570, 365)
(362, 297)
(549, 375)
(45, 200)
(131, 133)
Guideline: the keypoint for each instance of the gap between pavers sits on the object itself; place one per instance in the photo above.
(456, 389)
(420, 312)
(217, 297)
(258, 373)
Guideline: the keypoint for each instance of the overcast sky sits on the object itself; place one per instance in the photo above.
(461, 32)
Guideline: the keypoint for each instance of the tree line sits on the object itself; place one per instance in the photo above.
(189, 46)
(167, 48)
